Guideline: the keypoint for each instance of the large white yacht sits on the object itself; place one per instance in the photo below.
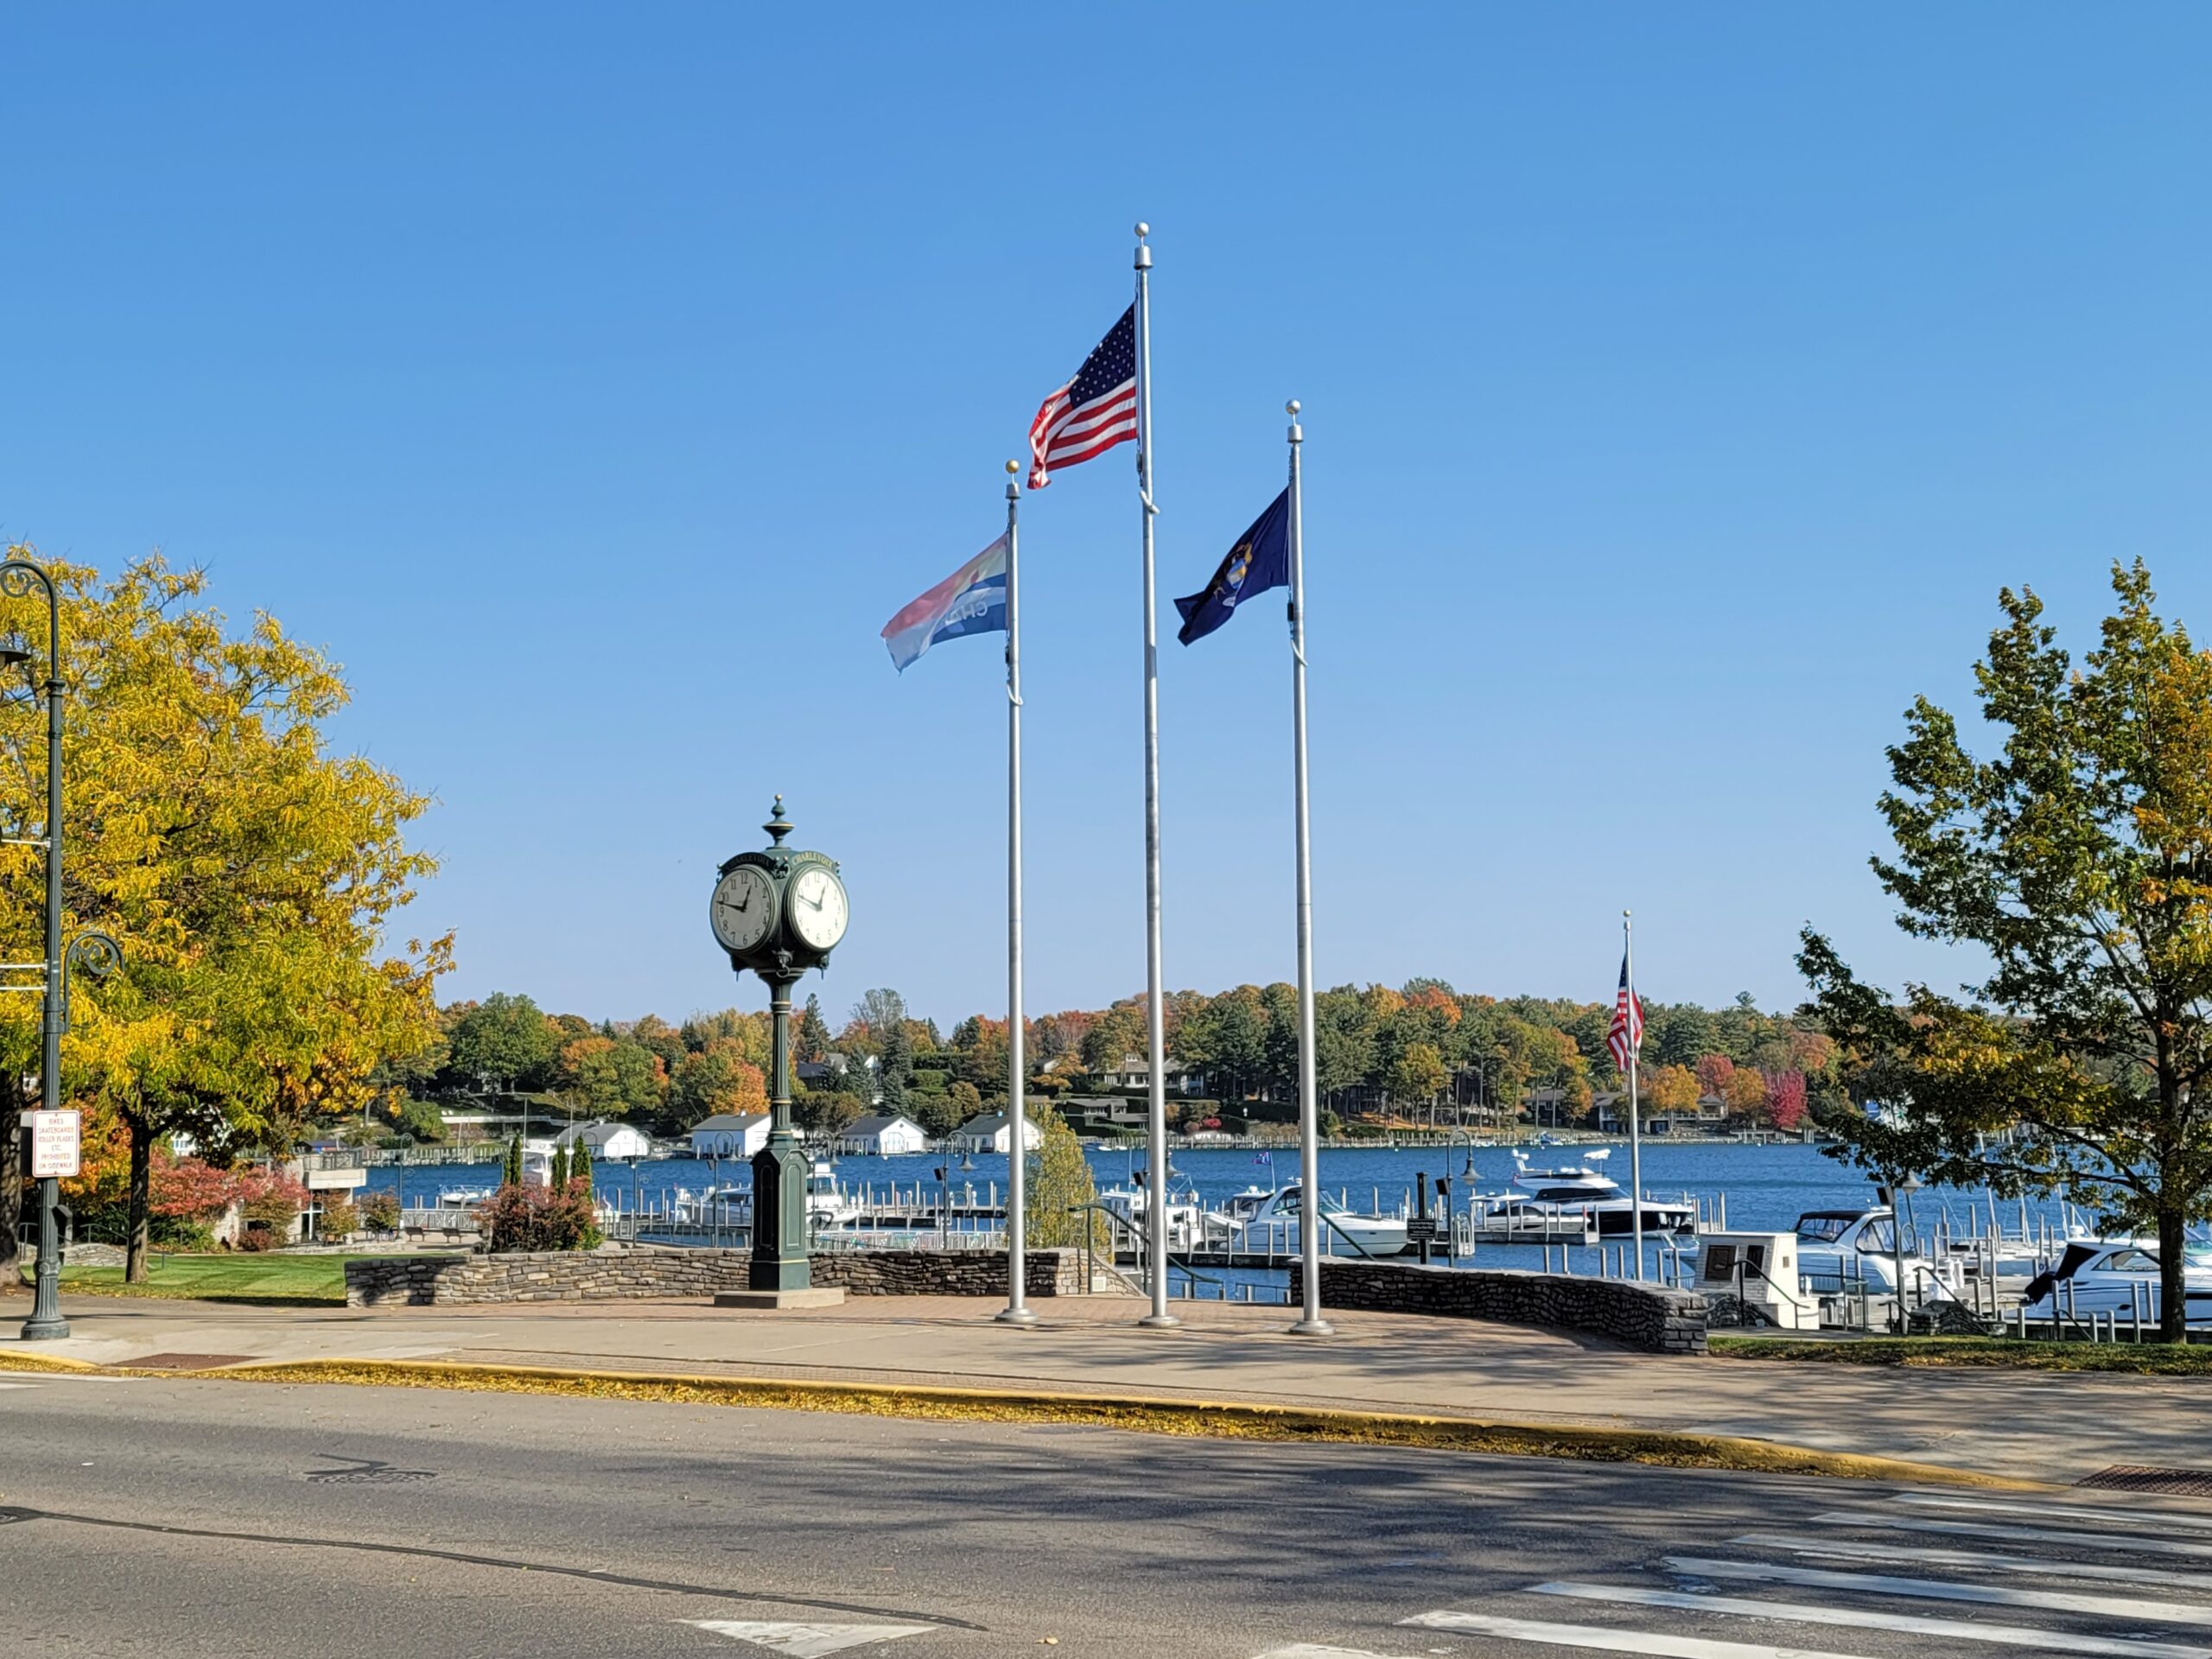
(1264, 1221)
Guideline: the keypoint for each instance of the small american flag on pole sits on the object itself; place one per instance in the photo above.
(1626, 1036)
(1094, 411)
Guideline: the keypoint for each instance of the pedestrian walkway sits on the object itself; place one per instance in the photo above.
(2045, 1427)
(1875, 1577)
(1943, 1573)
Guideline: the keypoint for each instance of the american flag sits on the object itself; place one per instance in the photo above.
(1094, 411)
(1627, 1034)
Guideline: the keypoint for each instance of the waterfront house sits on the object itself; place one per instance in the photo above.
(607, 1140)
(728, 1135)
(1135, 1072)
(883, 1137)
(992, 1132)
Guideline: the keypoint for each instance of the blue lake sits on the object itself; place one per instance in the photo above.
(1767, 1187)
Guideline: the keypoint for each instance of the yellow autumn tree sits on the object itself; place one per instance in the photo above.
(249, 873)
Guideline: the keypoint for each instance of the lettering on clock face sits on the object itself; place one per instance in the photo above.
(819, 908)
(743, 909)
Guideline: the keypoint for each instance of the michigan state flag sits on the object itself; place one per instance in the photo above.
(1261, 560)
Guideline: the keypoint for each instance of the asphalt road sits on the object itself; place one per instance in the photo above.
(183, 1519)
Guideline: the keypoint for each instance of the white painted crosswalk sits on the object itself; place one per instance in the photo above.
(2080, 1588)
(799, 1639)
(1925, 1572)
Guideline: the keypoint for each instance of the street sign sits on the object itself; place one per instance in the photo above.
(1421, 1229)
(55, 1139)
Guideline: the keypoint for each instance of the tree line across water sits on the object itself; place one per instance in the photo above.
(1422, 1050)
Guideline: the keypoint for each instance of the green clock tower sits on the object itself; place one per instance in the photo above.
(778, 911)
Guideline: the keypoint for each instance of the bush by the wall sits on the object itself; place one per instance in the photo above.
(519, 1218)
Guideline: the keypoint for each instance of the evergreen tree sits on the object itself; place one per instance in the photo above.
(811, 1041)
(513, 1174)
(580, 1170)
(560, 1167)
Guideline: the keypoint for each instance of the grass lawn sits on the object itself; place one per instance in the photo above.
(243, 1277)
(2158, 1358)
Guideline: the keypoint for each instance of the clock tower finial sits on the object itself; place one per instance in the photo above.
(779, 826)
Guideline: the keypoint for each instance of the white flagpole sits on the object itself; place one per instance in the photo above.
(1635, 1117)
(1309, 1104)
(1155, 1009)
(1016, 1310)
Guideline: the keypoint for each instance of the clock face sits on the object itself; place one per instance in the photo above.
(817, 905)
(744, 908)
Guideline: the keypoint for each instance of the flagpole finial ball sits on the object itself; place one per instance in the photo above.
(1291, 408)
(1143, 229)
(1011, 468)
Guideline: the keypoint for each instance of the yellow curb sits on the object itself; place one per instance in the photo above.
(11, 1362)
(1221, 1419)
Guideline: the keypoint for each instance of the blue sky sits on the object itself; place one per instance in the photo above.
(594, 382)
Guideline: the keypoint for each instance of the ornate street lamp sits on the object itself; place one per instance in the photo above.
(96, 953)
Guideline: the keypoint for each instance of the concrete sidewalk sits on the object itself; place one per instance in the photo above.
(2049, 1426)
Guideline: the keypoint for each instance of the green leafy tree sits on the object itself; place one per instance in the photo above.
(1058, 1182)
(253, 876)
(1418, 1076)
(2079, 859)
(504, 1038)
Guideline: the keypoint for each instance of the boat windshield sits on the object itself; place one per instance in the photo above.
(1824, 1229)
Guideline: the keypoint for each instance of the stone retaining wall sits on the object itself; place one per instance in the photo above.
(1650, 1317)
(633, 1274)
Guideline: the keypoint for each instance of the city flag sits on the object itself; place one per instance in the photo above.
(1626, 1036)
(972, 599)
(1261, 560)
(1094, 411)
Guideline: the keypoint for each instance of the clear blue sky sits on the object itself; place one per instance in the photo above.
(593, 382)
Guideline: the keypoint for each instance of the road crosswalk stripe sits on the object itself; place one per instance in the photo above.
(1988, 1561)
(804, 1639)
(1995, 1595)
(18, 1385)
(1311, 1650)
(2134, 1545)
(1606, 1640)
(2128, 1517)
(2012, 1636)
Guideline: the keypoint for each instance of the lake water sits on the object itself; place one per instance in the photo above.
(1767, 1187)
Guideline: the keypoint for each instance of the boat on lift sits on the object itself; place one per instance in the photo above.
(1267, 1222)
(1584, 1192)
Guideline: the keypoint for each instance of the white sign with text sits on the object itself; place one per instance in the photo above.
(55, 1137)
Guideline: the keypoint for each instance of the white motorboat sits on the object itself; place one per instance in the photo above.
(1186, 1218)
(1581, 1192)
(2117, 1278)
(828, 1204)
(1855, 1249)
(462, 1198)
(1267, 1222)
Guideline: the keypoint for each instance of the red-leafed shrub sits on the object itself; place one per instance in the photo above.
(521, 1217)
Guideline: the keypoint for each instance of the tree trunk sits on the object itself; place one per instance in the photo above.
(2173, 1299)
(11, 1200)
(141, 1198)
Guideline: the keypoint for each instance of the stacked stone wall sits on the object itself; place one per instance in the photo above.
(665, 1274)
(1650, 1317)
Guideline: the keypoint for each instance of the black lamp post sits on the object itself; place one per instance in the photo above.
(96, 952)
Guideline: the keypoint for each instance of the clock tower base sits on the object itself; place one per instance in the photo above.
(810, 1296)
